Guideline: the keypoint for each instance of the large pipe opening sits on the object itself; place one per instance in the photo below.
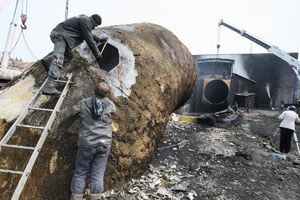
(110, 57)
(216, 91)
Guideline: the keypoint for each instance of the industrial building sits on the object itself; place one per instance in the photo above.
(262, 79)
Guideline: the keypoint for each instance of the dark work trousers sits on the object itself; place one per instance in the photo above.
(285, 139)
(92, 159)
(62, 54)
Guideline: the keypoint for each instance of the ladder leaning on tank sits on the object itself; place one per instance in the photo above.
(36, 150)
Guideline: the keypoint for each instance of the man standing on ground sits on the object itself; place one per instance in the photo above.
(235, 106)
(67, 35)
(248, 107)
(287, 128)
(94, 141)
(281, 107)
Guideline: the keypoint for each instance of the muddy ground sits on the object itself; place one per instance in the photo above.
(233, 159)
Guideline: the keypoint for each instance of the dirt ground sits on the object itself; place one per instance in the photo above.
(233, 159)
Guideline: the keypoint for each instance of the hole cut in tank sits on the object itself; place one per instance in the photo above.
(216, 91)
(110, 57)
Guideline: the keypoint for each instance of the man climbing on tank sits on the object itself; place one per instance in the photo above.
(67, 35)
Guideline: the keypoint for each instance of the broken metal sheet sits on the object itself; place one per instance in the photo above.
(174, 178)
(182, 144)
(152, 176)
(165, 192)
(143, 195)
(179, 195)
(155, 182)
(161, 183)
(181, 187)
(173, 167)
(153, 169)
(191, 194)
(134, 190)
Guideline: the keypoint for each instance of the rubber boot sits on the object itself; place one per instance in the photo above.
(77, 197)
(95, 196)
(50, 89)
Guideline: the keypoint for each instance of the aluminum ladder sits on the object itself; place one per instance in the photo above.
(3, 143)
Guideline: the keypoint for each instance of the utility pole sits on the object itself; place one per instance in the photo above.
(67, 9)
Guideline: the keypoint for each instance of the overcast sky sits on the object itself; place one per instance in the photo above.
(194, 22)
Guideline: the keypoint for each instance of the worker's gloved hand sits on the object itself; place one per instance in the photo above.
(103, 40)
(100, 40)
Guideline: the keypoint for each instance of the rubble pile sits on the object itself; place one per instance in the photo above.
(232, 160)
(159, 183)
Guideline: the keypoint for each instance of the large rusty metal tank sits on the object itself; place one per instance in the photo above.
(150, 72)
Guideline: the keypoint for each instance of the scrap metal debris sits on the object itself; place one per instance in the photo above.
(179, 145)
(163, 183)
(230, 161)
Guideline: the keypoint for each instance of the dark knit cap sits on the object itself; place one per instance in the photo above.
(97, 19)
(102, 89)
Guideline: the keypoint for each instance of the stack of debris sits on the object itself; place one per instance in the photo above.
(159, 183)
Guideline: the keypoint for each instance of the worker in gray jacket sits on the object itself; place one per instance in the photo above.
(67, 35)
(94, 142)
(287, 128)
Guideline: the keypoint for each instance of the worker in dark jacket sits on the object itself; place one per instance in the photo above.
(94, 142)
(67, 35)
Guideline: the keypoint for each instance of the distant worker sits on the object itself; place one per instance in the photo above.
(94, 142)
(271, 104)
(67, 35)
(281, 107)
(287, 128)
(248, 107)
(235, 106)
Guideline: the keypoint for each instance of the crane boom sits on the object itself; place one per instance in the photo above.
(294, 63)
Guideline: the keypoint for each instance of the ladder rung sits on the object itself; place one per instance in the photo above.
(17, 146)
(42, 109)
(11, 171)
(61, 81)
(28, 126)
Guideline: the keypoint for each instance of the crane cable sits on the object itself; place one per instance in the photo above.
(218, 39)
(16, 42)
(23, 27)
(28, 48)
(26, 44)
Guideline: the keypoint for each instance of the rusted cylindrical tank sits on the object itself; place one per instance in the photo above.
(150, 72)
